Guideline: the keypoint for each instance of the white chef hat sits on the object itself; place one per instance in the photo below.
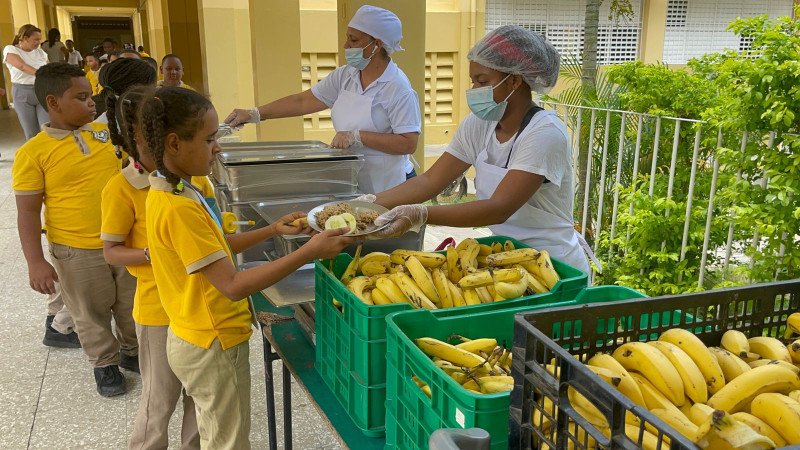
(381, 24)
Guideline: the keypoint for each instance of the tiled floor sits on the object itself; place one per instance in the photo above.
(47, 396)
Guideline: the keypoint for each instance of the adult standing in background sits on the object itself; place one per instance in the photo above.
(375, 111)
(73, 56)
(23, 57)
(55, 49)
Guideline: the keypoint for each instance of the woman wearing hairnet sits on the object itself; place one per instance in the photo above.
(521, 154)
(374, 110)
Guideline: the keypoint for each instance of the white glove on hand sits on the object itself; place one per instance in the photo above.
(402, 219)
(369, 198)
(347, 139)
(239, 117)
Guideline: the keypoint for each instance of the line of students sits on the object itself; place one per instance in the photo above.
(182, 318)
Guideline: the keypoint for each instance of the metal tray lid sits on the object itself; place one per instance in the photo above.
(264, 145)
(284, 156)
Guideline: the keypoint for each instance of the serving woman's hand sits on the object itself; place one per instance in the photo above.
(239, 117)
(293, 224)
(347, 139)
(401, 219)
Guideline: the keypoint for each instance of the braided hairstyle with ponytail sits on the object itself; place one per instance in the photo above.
(170, 110)
(124, 110)
(116, 78)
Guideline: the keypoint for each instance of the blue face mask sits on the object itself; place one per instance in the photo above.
(355, 56)
(481, 102)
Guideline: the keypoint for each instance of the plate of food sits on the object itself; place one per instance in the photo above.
(358, 216)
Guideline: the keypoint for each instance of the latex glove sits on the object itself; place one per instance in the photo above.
(369, 198)
(402, 219)
(238, 117)
(347, 139)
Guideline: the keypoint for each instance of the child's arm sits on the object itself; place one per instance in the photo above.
(117, 254)
(240, 242)
(238, 285)
(41, 274)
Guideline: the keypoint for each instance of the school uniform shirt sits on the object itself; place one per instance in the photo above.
(35, 58)
(70, 168)
(54, 52)
(160, 83)
(94, 81)
(183, 239)
(124, 220)
(75, 58)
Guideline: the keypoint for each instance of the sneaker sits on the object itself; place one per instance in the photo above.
(128, 362)
(53, 338)
(49, 321)
(110, 381)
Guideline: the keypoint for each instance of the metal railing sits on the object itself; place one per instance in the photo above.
(629, 147)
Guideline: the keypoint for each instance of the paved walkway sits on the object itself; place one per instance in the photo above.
(47, 396)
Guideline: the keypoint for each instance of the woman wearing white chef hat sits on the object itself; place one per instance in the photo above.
(374, 110)
(521, 153)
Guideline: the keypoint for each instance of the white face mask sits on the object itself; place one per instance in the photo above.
(481, 102)
(355, 56)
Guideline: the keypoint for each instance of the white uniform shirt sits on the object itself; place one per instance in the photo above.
(54, 53)
(35, 58)
(395, 105)
(545, 151)
(75, 58)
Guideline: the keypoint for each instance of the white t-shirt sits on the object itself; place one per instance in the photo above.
(75, 58)
(35, 58)
(54, 53)
(546, 150)
(395, 105)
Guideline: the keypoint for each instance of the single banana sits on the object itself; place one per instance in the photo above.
(656, 367)
(442, 286)
(781, 413)
(678, 421)
(648, 440)
(780, 362)
(434, 347)
(699, 353)
(423, 278)
(485, 345)
(700, 413)
(508, 246)
(547, 272)
(456, 295)
(794, 351)
(735, 342)
(469, 257)
(412, 291)
(760, 427)
(352, 268)
(584, 407)
(653, 398)
(507, 291)
(373, 257)
(497, 247)
(484, 250)
(493, 387)
(359, 286)
(374, 267)
(792, 325)
(427, 259)
(421, 384)
(492, 292)
(629, 388)
(769, 348)
(511, 257)
(534, 285)
(488, 277)
(379, 298)
(737, 394)
(484, 294)
(468, 242)
(737, 434)
(471, 297)
(390, 290)
(732, 366)
(694, 384)
(794, 395)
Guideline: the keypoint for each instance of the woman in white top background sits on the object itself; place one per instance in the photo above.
(374, 110)
(55, 49)
(22, 58)
(521, 153)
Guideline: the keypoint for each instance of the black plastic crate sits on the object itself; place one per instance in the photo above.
(584, 330)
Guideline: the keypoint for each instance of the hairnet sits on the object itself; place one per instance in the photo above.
(381, 24)
(515, 50)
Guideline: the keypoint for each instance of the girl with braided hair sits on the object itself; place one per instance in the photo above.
(200, 288)
(116, 78)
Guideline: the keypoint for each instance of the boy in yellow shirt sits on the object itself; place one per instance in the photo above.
(65, 167)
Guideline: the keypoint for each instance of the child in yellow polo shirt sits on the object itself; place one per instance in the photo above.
(202, 293)
(65, 167)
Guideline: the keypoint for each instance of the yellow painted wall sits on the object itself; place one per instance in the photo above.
(7, 32)
(654, 26)
(20, 13)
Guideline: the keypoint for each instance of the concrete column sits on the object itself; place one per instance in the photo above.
(654, 26)
(226, 55)
(412, 60)
(183, 35)
(275, 37)
(157, 23)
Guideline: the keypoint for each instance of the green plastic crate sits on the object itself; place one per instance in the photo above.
(452, 406)
(354, 338)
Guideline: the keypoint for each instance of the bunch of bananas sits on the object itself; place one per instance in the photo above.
(468, 274)
(744, 394)
(478, 365)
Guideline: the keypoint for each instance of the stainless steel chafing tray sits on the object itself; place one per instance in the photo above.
(267, 170)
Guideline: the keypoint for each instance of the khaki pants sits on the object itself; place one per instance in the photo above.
(219, 382)
(96, 292)
(55, 307)
(161, 391)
